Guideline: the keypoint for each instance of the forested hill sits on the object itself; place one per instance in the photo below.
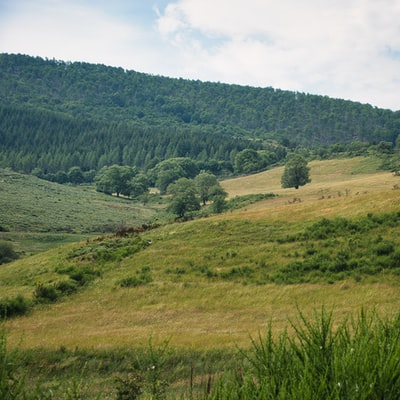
(100, 115)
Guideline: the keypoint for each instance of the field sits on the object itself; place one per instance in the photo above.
(208, 285)
(37, 215)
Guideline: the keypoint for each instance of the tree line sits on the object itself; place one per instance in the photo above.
(56, 116)
(95, 91)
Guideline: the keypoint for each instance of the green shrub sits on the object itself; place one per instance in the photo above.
(83, 275)
(384, 248)
(130, 387)
(14, 307)
(46, 293)
(142, 278)
(358, 359)
(7, 252)
(80, 274)
(11, 386)
(67, 287)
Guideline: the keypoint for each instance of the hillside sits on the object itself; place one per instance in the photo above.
(36, 214)
(56, 114)
(211, 281)
(172, 305)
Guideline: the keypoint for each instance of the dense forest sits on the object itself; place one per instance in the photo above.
(55, 115)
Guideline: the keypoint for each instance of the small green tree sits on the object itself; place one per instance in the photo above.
(170, 170)
(139, 185)
(115, 179)
(248, 160)
(183, 197)
(296, 172)
(204, 183)
(75, 176)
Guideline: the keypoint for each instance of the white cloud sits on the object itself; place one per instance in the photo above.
(343, 48)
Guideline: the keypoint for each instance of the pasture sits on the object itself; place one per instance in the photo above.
(211, 279)
(208, 285)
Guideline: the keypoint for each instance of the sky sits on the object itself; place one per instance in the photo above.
(348, 49)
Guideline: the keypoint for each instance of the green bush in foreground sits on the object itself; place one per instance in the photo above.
(315, 358)
(358, 360)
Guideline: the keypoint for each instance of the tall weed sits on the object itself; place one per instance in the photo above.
(360, 359)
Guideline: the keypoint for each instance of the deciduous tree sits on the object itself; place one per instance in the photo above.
(183, 197)
(115, 179)
(296, 172)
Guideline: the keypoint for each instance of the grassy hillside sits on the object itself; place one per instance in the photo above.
(36, 214)
(106, 307)
(209, 283)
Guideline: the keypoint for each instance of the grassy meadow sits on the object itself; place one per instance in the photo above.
(36, 214)
(210, 284)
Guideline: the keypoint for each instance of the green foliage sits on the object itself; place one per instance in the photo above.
(80, 275)
(219, 205)
(7, 252)
(139, 185)
(130, 387)
(47, 207)
(248, 161)
(106, 249)
(14, 307)
(142, 278)
(11, 385)
(75, 176)
(208, 188)
(46, 293)
(242, 201)
(296, 172)
(87, 115)
(170, 170)
(359, 359)
(204, 182)
(183, 197)
(115, 179)
(317, 357)
(339, 248)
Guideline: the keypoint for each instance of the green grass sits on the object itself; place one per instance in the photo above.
(207, 285)
(37, 215)
(359, 359)
(35, 205)
(315, 357)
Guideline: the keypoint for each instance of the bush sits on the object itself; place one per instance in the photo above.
(130, 387)
(384, 248)
(46, 293)
(142, 278)
(80, 275)
(358, 359)
(7, 252)
(14, 307)
(67, 287)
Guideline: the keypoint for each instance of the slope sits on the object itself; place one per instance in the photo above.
(37, 214)
(209, 283)
(132, 105)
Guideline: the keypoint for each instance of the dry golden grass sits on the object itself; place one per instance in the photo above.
(213, 314)
(334, 190)
(202, 316)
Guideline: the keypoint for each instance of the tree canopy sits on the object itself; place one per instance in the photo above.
(296, 172)
(115, 179)
(55, 115)
(183, 197)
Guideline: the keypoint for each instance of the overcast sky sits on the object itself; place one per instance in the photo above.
(346, 49)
